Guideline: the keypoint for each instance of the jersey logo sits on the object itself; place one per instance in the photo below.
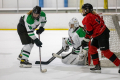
(30, 27)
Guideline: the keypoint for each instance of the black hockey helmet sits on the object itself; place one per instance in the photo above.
(87, 6)
(37, 9)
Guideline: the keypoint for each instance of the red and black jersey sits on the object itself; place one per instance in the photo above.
(93, 24)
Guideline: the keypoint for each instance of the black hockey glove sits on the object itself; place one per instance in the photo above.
(85, 42)
(38, 42)
(40, 30)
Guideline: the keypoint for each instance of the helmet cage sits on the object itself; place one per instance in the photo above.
(74, 21)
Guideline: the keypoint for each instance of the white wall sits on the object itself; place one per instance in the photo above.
(0, 3)
(9, 3)
(73, 3)
(22, 3)
(57, 20)
(52, 3)
(28, 3)
(111, 3)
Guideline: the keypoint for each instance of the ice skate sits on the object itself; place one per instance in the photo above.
(96, 69)
(25, 64)
(19, 57)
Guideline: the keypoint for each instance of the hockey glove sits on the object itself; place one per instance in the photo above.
(85, 42)
(40, 30)
(38, 42)
(65, 46)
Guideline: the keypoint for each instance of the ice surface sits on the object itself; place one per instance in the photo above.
(10, 47)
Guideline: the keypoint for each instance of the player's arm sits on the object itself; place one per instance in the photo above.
(43, 22)
(89, 31)
(76, 43)
(85, 41)
(31, 33)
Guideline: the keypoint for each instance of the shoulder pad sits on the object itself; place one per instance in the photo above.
(42, 14)
(30, 19)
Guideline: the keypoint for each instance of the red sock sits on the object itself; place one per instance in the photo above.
(94, 53)
(111, 56)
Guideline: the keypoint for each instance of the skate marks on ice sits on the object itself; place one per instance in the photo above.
(74, 72)
(55, 72)
(86, 69)
(5, 53)
(72, 68)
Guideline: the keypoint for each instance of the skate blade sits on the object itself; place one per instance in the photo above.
(95, 71)
(25, 66)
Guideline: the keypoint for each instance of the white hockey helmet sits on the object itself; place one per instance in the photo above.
(74, 21)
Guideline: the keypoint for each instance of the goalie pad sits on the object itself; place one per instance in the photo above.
(76, 59)
(71, 59)
(83, 56)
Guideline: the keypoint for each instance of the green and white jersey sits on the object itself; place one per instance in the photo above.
(76, 36)
(31, 24)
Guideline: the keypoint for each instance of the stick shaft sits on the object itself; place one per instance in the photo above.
(40, 55)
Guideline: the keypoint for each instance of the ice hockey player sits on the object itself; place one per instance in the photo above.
(96, 29)
(25, 28)
(78, 56)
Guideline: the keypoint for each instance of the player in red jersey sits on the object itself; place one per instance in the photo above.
(99, 34)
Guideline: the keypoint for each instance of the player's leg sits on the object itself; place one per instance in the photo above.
(21, 31)
(20, 55)
(107, 53)
(85, 55)
(25, 55)
(94, 54)
(104, 47)
(70, 59)
(75, 57)
(89, 55)
(28, 44)
(80, 50)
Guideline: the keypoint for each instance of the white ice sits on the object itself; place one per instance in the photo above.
(10, 47)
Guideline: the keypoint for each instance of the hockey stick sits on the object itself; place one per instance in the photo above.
(44, 70)
(62, 57)
(51, 59)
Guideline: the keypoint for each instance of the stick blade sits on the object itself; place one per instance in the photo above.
(42, 62)
(44, 70)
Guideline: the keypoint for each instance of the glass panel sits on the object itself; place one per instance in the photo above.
(9, 3)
